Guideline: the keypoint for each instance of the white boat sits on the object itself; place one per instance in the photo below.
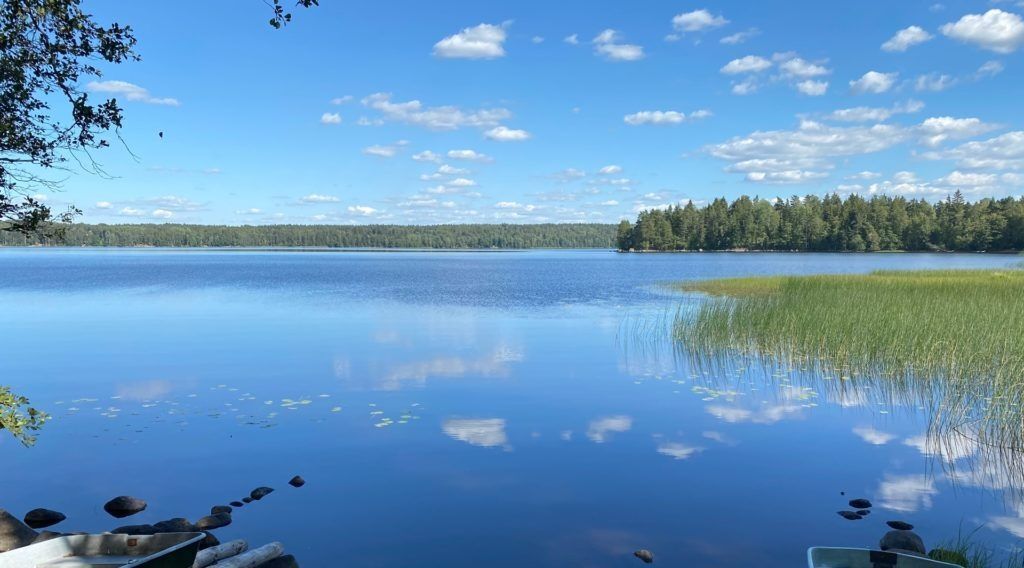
(165, 550)
(828, 557)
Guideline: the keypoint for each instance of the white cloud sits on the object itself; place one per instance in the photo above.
(802, 69)
(873, 82)
(995, 30)
(747, 86)
(654, 117)
(330, 118)
(537, 39)
(874, 437)
(906, 38)
(451, 170)
(484, 41)
(698, 20)
(739, 37)
(678, 451)
(610, 169)
(426, 156)
(318, 198)
(364, 210)
(934, 82)
(746, 64)
(342, 100)
(875, 114)
(812, 88)
(505, 134)
(469, 155)
(939, 129)
(609, 203)
(435, 118)
(131, 212)
(104, 205)
(162, 214)
(989, 69)
(129, 91)
(573, 39)
(866, 174)
(461, 182)
(486, 432)
(599, 429)
(1004, 152)
(249, 211)
(515, 205)
(382, 151)
(608, 44)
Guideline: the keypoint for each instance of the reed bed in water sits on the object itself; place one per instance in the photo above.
(954, 337)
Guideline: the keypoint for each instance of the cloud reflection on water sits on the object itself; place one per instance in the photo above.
(485, 432)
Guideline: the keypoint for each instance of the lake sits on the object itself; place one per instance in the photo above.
(457, 408)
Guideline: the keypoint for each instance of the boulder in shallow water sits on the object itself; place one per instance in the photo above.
(849, 515)
(864, 512)
(286, 561)
(42, 518)
(135, 530)
(261, 492)
(247, 499)
(297, 481)
(211, 522)
(646, 555)
(860, 503)
(220, 509)
(124, 506)
(14, 533)
(174, 526)
(237, 504)
(902, 540)
(900, 525)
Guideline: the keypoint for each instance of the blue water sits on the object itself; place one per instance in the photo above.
(453, 408)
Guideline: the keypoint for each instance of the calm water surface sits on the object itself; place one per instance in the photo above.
(455, 408)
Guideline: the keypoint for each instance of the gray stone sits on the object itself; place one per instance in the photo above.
(211, 522)
(864, 512)
(135, 530)
(124, 506)
(14, 533)
(175, 525)
(42, 518)
(247, 499)
(237, 504)
(646, 555)
(902, 540)
(860, 503)
(260, 492)
(297, 481)
(220, 509)
(286, 561)
(900, 525)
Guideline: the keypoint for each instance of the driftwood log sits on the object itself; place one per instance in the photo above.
(214, 553)
(253, 558)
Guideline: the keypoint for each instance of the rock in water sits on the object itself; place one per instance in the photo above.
(849, 515)
(864, 512)
(174, 526)
(14, 533)
(297, 481)
(900, 525)
(247, 499)
(261, 492)
(286, 561)
(220, 509)
(135, 530)
(903, 540)
(860, 504)
(124, 506)
(42, 518)
(208, 541)
(646, 555)
(211, 522)
(237, 504)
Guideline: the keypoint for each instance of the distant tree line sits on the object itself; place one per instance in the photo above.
(831, 224)
(561, 235)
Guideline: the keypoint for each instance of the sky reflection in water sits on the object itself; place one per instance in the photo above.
(507, 409)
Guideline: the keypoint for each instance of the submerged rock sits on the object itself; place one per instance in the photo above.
(247, 499)
(124, 506)
(237, 504)
(864, 512)
(135, 530)
(860, 503)
(211, 522)
(646, 555)
(14, 533)
(849, 515)
(261, 492)
(286, 561)
(42, 518)
(174, 526)
(902, 540)
(297, 481)
(900, 525)
(220, 509)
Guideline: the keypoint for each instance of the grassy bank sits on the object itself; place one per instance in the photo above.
(953, 335)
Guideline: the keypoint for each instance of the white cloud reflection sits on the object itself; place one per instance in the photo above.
(486, 432)
(599, 429)
(872, 436)
(906, 493)
(678, 451)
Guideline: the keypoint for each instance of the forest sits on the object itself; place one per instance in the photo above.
(881, 223)
(479, 236)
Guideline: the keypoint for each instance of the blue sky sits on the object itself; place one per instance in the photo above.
(528, 111)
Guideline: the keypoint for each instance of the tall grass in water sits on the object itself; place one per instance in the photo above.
(955, 339)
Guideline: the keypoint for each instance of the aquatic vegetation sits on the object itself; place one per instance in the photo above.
(946, 341)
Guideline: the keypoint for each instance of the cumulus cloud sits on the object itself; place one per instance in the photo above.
(939, 129)
(506, 134)
(801, 68)
(104, 205)
(698, 20)
(363, 210)
(609, 45)
(739, 37)
(342, 100)
(435, 118)
(746, 64)
(385, 151)
(469, 155)
(1004, 152)
(995, 30)
(129, 91)
(485, 41)
(873, 82)
(330, 118)
(906, 38)
(610, 169)
(573, 39)
(318, 198)
(989, 69)
(934, 82)
(875, 114)
(812, 88)
(662, 117)
(426, 156)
